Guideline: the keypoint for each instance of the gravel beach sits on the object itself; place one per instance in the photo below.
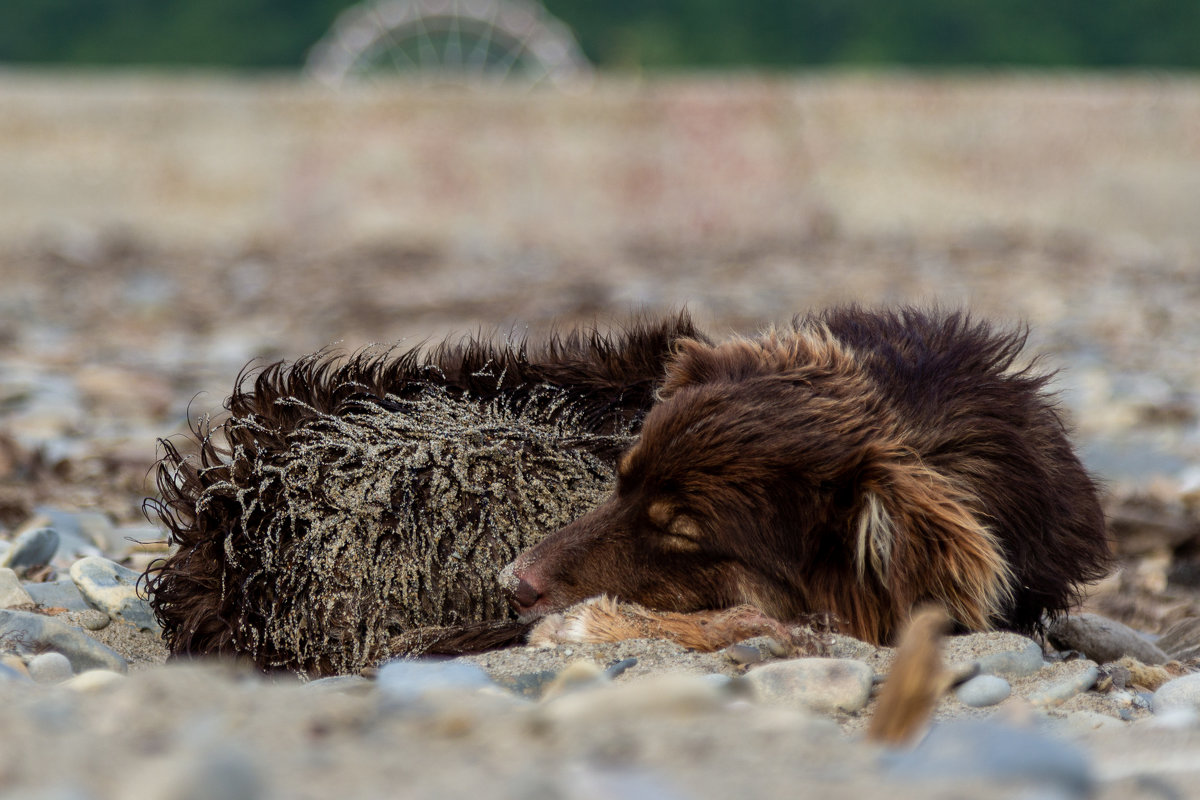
(162, 233)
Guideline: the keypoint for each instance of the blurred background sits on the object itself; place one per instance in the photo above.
(186, 187)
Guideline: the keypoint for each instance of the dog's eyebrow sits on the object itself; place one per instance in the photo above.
(660, 513)
(625, 462)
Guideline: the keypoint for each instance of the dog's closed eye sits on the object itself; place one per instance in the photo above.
(683, 533)
(676, 531)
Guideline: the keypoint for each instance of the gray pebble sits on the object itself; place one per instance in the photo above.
(983, 690)
(1014, 663)
(22, 630)
(11, 593)
(32, 549)
(992, 751)
(112, 589)
(1181, 693)
(744, 654)
(824, 685)
(62, 593)
(408, 681)
(50, 668)
(618, 667)
(1062, 690)
(1103, 640)
(93, 620)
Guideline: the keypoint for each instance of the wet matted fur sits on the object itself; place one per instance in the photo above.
(348, 510)
(861, 463)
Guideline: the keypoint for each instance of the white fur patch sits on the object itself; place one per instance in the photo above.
(874, 541)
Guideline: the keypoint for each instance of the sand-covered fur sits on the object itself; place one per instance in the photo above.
(352, 509)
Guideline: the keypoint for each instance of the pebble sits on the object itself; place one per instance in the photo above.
(92, 680)
(32, 548)
(11, 593)
(1103, 640)
(112, 589)
(407, 681)
(824, 685)
(994, 751)
(1014, 663)
(62, 593)
(93, 620)
(50, 668)
(1063, 690)
(744, 654)
(618, 667)
(983, 690)
(1181, 693)
(26, 631)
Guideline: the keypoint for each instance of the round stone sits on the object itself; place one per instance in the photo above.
(1014, 663)
(50, 668)
(94, 620)
(983, 690)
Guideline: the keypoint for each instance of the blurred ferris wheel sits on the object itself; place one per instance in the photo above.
(470, 42)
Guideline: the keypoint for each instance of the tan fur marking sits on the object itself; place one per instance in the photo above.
(661, 513)
(625, 462)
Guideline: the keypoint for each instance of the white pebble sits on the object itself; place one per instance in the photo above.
(93, 680)
(50, 668)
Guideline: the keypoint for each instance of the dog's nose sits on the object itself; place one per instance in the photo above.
(525, 595)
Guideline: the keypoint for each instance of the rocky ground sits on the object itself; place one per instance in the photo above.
(114, 336)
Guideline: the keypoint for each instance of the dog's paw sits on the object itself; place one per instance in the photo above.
(592, 621)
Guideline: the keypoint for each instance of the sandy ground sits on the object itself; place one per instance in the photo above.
(156, 235)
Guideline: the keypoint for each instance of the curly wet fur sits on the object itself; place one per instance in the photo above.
(472, 449)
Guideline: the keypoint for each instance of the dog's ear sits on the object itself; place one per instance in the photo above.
(917, 533)
(695, 362)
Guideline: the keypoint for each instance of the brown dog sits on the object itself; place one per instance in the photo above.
(861, 464)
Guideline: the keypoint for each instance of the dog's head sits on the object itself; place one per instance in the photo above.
(768, 474)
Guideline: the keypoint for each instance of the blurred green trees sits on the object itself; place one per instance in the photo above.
(636, 34)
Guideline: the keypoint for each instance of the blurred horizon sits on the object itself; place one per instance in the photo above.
(651, 35)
